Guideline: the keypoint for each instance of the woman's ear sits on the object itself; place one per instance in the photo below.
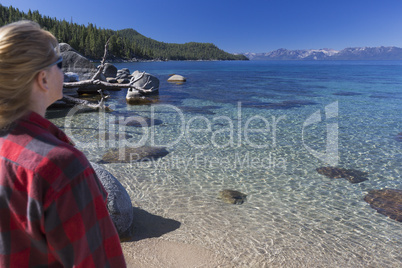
(42, 80)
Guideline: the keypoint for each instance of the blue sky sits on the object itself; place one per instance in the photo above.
(240, 26)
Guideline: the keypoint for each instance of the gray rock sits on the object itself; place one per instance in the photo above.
(176, 78)
(232, 197)
(132, 94)
(352, 175)
(147, 81)
(111, 80)
(123, 75)
(76, 63)
(66, 47)
(109, 70)
(123, 80)
(133, 97)
(71, 77)
(118, 200)
(131, 155)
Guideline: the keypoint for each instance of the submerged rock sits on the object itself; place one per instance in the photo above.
(277, 105)
(399, 137)
(346, 93)
(232, 197)
(116, 136)
(352, 175)
(138, 121)
(387, 202)
(129, 155)
(196, 110)
(118, 201)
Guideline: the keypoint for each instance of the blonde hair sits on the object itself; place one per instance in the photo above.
(25, 50)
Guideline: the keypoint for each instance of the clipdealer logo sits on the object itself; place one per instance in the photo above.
(222, 137)
(331, 154)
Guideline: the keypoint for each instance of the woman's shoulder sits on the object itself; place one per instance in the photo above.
(64, 165)
(38, 145)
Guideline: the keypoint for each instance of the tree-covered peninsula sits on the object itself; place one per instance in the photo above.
(125, 44)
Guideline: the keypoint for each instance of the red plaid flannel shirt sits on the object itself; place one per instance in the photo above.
(52, 205)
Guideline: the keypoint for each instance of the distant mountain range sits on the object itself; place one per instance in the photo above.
(355, 53)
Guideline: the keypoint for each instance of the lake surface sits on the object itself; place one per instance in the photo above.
(263, 128)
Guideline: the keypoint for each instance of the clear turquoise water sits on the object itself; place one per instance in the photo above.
(244, 126)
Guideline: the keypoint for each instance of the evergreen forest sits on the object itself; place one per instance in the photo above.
(126, 44)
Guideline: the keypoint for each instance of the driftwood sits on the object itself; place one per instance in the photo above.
(100, 105)
(96, 84)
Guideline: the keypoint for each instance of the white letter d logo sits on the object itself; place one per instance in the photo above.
(330, 156)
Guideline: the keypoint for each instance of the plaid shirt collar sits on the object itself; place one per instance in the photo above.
(39, 121)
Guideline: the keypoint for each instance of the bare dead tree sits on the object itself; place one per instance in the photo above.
(102, 65)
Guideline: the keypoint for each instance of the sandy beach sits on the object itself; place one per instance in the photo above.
(157, 252)
(147, 247)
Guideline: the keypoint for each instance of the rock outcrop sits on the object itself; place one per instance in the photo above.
(76, 63)
(118, 201)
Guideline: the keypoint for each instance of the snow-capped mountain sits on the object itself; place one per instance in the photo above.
(357, 53)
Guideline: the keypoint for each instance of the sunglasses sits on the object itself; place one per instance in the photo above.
(58, 62)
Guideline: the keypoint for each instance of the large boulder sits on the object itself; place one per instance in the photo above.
(64, 47)
(76, 63)
(145, 81)
(118, 201)
(109, 70)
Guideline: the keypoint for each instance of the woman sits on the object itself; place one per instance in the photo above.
(52, 206)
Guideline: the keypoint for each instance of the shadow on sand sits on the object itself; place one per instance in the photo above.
(146, 225)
